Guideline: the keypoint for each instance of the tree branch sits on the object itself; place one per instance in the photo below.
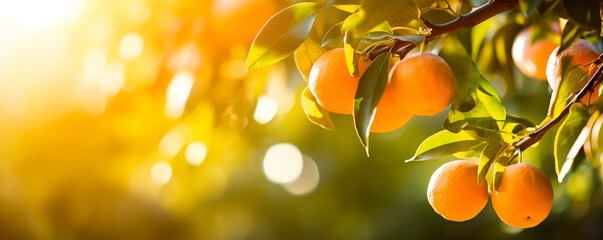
(535, 136)
(476, 16)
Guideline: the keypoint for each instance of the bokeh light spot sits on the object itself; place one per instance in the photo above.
(130, 46)
(113, 80)
(283, 163)
(170, 144)
(177, 94)
(161, 173)
(195, 153)
(265, 110)
(307, 181)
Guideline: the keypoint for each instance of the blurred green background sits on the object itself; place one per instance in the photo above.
(135, 119)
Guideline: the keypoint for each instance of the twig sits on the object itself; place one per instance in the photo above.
(476, 16)
(536, 135)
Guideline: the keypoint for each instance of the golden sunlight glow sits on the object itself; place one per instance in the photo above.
(195, 153)
(161, 173)
(171, 143)
(38, 13)
(130, 46)
(307, 181)
(283, 163)
(113, 80)
(177, 94)
(265, 110)
(94, 69)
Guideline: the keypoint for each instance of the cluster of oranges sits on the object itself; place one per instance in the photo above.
(419, 84)
(536, 56)
(524, 197)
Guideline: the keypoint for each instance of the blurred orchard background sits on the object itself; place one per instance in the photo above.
(136, 119)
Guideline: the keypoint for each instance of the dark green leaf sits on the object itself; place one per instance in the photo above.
(567, 137)
(375, 12)
(444, 143)
(305, 56)
(437, 15)
(370, 90)
(416, 39)
(571, 33)
(572, 78)
(492, 150)
(581, 140)
(528, 7)
(282, 34)
(584, 12)
(471, 154)
(503, 43)
(333, 34)
(497, 175)
(315, 113)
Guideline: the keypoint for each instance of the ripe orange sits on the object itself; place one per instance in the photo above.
(389, 116)
(454, 192)
(582, 52)
(531, 56)
(422, 83)
(239, 21)
(525, 196)
(332, 84)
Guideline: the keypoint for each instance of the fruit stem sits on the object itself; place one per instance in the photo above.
(476, 16)
(536, 135)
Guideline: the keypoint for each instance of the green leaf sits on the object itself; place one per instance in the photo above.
(481, 111)
(374, 12)
(437, 15)
(528, 7)
(282, 34)
(472, 153)
(492, 150)
(461, 65)
(444, 143)
(334, 33)
(497, 175)
(305, 56)
(416, 39)
(370, 90)
(315, 113)
(502, 43)
(578, 144)
(570, 34)
(349, 8)
(382, 27)
(572, 78)
(479, 33)
(584, 12)
(567, 137)
(351, 57)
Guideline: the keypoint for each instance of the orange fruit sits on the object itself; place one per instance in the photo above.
(422, 83)
(239, 21)
(531, 56)
(331, 82)
(454, 192)
(581, 52)
(525, 196)
(389, 116)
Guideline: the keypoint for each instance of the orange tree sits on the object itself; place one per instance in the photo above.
(429, 55)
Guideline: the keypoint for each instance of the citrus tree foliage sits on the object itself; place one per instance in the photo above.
(476, 42)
